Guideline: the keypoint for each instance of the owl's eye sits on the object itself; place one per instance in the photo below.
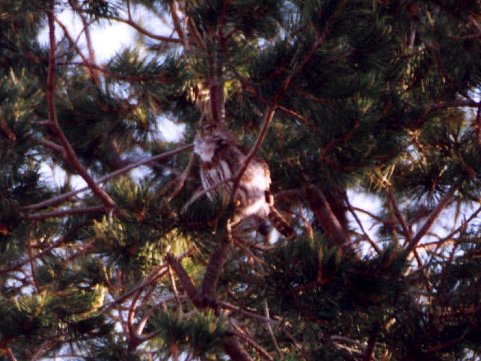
(209, 128)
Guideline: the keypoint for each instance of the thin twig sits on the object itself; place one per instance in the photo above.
(71, 157)
(31, 260)
(250, 314)
(271, 109)
(431, 219)
(74, 45)
(181, 181)
(66, 196)
(10, 354)
(161, 271)
(185, 280)
(406, 230)
(42, 349)
(174, 289)
(53, 146)
(269, 329)
(361, 226)
(65, 213)
(145, 32)
(88, 39)
(243, 335)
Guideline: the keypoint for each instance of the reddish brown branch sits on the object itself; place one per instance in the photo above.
(64, 197)
(65, 213)
(31, 259)
(371, 345)
(430, 221)
(88, 39)
(207, 299)
(145, 32)
(361, 226)
(9, 354)
(70, 155)
(397, 213)
(454, 104)
(326, 217)
(269, 115)
(178, 25)
(184, 278)
(234, 350)
(74, 45)
(160, 272)
(157, 78)
(53, 146)
(213, 271)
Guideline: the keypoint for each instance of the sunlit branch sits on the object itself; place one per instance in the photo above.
(71, 157)
(147, 33)
(65, 213)
(74, 45)
(66, 196)
(250, 341)
(431, 219)
(271, 109)
(361, 226)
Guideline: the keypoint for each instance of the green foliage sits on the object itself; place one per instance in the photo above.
(372, 97)
(200, 334)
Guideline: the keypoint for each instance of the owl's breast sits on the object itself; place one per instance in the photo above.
(205, 150)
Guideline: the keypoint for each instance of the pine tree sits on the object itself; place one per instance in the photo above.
(343, 99)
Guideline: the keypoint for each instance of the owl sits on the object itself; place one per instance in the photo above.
(220, 159)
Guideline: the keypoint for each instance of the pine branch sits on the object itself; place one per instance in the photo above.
(397, 213)
(371, 344)
(64, 197)
(250, 314)
(158, 273)
(443, 203)
(184, 278)
(234, 350)
(174, 289)
(361, 226)
(269, 114)
(460, 103)
(71, 157)
(53, 146)
(65, 213)
(143, 31)
(157, 78)
(42, 349)
(271, 332)
(324, 214)
(213, 271)
(181, 180)
(33, 272)
(177, 25)
(161, 271)
(10, 354)
(17, 266)
(88, 39)
(74, 45)
(245, 336)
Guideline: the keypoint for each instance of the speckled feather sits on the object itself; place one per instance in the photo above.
(220, 159)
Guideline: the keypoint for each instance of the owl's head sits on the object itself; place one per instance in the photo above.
(212, 132)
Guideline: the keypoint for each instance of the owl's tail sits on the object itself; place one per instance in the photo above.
(280, 223)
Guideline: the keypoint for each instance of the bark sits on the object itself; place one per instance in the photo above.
(328, 220)
(234, 350)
